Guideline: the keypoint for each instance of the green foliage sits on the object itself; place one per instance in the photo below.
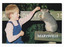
(31, 6)
(52, 10)
(31, 30)
(44, 6)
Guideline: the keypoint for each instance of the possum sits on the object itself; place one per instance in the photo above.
(49, 20)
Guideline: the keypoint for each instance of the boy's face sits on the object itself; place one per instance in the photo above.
(15, 15)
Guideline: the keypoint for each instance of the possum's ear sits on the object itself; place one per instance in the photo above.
(47, 10)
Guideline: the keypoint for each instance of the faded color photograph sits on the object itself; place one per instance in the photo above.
(32, 23)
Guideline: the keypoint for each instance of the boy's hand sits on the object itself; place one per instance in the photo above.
(37, 8)
(21, 33)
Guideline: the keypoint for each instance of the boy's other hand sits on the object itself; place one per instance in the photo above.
(21, 33)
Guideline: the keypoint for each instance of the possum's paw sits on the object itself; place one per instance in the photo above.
(50, 31)
(55, 32)
(47, 31)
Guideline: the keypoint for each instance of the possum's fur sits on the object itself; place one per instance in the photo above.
(50, 22)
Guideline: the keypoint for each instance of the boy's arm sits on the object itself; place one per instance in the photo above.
(9, 33)
(28, 17)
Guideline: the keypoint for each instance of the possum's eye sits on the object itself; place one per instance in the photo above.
(42, 17)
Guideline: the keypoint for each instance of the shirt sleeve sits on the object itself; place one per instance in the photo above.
(9, 33)
(27, 18)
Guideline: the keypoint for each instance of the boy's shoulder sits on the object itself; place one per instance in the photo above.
(9, 24)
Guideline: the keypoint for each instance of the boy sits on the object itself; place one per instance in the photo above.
(14, 26)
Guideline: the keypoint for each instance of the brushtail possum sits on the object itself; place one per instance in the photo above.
(50, 22)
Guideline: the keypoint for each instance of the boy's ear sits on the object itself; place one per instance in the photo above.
(10, 15)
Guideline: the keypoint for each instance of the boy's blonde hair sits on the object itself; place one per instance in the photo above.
(10, 9)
